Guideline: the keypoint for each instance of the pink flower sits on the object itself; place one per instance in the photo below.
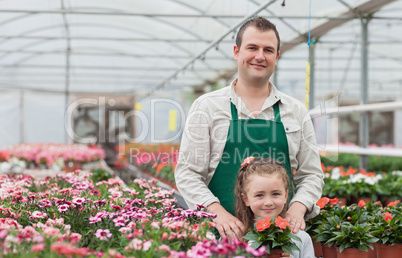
(120, 222)
(3, 234)
(164, 235)
(94, 220)
(39, 215)
(164, 248)
(51, 231)
(78, 201)
(38, 247)
(135, 244)
(63, 208)
(103, 234)
(146, 245)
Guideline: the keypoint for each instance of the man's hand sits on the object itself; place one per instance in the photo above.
(227, 224)
(295, 215)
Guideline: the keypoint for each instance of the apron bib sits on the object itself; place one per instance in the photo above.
(249, 137)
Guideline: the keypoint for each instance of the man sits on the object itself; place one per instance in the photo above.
(249, 117)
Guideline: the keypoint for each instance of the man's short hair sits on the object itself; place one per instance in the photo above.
(261, 24)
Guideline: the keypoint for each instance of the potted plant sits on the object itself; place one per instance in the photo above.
(273, 233)
(387, 227)
(326, 205)
(337, 188)
(324, 234)
(353, 240)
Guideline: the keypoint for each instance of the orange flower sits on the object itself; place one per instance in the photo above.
(334, 200)
(281, 223)
(350, 171)
(361, 203)
(370, 174)
(263, 224)
(392, 204)
(159, 167)
(247, 161)
(387, 216)
(322, 202)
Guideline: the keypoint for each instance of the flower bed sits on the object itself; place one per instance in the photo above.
(353, 183)
(158, 160)
(72, 215)
(56, 156)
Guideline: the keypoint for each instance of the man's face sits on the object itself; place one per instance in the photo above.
(257, 55)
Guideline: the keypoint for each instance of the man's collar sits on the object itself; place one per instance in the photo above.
(277, 95)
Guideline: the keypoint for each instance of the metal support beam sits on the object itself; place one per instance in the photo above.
(21, 116)
(364, 125)
(182, 40)
(67, 67)
(311, 53)
(275, 76)
(176, 15)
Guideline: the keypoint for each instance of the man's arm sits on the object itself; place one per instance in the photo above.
(192, 168)
(308, 179)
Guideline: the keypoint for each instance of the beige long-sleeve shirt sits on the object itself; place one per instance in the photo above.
(204, 139)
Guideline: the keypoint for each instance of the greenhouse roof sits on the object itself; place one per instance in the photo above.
(151, 48)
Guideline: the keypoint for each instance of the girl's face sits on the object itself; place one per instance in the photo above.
(265, 195)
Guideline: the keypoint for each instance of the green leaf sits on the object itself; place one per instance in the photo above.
(362, 247)
(292, 236)
(256, 244)
(341, 248)
(321, 238)
(287, 249)
(275, 244)
(251, 236)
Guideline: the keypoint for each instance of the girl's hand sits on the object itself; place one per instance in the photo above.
(285, 255)
(227, 224)
(295, 216)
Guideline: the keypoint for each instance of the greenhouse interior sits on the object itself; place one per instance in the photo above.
(134, 131)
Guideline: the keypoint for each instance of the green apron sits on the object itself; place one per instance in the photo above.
(248, 137)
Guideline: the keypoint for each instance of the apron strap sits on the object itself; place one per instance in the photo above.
(277, 113)
(233, 109)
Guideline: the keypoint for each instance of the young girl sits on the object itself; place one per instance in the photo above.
(262, 191)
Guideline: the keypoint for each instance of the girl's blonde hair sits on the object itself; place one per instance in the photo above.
(265, 166)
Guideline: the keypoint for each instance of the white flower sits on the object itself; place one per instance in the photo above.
(335, 173)
(5, 167)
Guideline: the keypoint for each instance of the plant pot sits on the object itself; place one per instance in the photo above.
(328, 252)
(276, 253)
(317, 248)
(351, 253)
(365, 199)
(72, 166)
(343, 201)
(372, 253)
(385, 251)
(386, 201)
